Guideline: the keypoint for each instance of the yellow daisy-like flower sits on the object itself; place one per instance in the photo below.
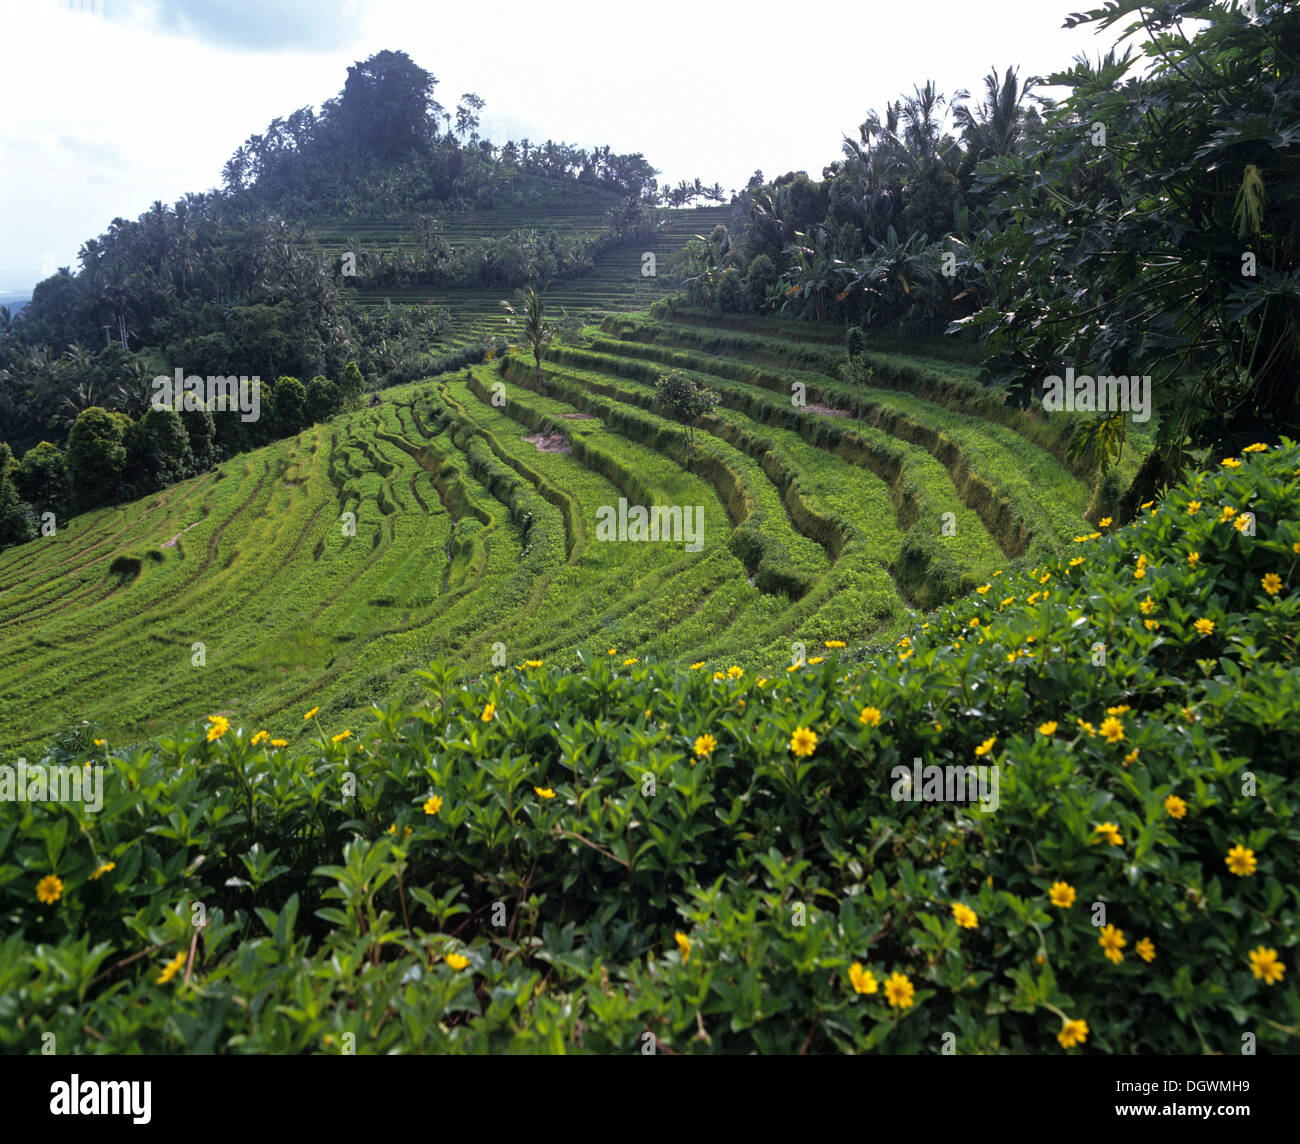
(965, 916)
(1112, 941)
(218, 726)
(803, 742)
(1085, 726)
(704, 745)
(1296, 548)
(1242, 522)
(816, 659)
(1226, 513)
(1110, 832)
(279, 742)
(1147, 505)
(1076, 561)
(1048, 728)
(1146, 950)
(1193, 558)
(457, 961)
(683, 945)
(1205, 627)
(100, 742)
(1147, 606)
(260, 737)
(544, 792)
(735, 672)
(1193, 507)
(761, 682)
(488, 712)
(718, 676)
(1119, 710)
(1255, 448)
(862, 980)
(975, 622)
(836, 643)
(985, 747)
(630, 661)
(612, 651)
(1265, 965)
(532, 663)
(795, 666)
(869, 717)
(1131, 757)
(1231, 463)
(1104, 522)
(907, 654)
(170, 970)
(344, 734)
(983, 588)
(1241, 861)
(1150, 625)
(899, 991)
(1112, 729)
(1271, 583)
(433, 804)
(1140, 572)
(1073, 1033)
(1008, 600)
(1062, 895)
(49, 889)
(697, 666)
(107, 867)
(311, 713)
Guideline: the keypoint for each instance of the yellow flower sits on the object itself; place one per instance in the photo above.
(1104, 522)
(1265, 965)
(1296, 548)
(104, 869)
(1073, 1033)
(311, 712)
(816, 659)
(1147, 606)
(1131, 757)
(279, 742)
(803, 742)
(1255, 448)
(344, 734)
(975, 622)
(1241, 861)
(908, 653)
(1193, 507)
(1076, 561)
(1062, 895)
(1084, 726)
(795, 666)
(1147, 505)
(869, 717)
(704, 745)
(488, 712)
(965, 916)
(899, 991)
(1193, 558)
(544, 792)
(734, 672)
(1118, 710)
(863, 980)
(1146, 950)
(835, 643)
(1150, 625)
(1242, 522)
(1226, 513)
(684, 945)
(1140, 572)
(612, 651)
(100, 742)
(1205, 627)
(219, 725)
(1231, 463)
(49, 889)
(718, 677)
(1048, 728)
(1044, 577)
(1272, 583)
(1110, 832)
(1112, 941)
(629, 662)
(1008, 600)
(260, 737)
(170, 970)
(433, 804)
(697, 666)
(985, 747)
(457, 961)
(983, 588)
(761, 682)
(1112, 729)
(532, 663)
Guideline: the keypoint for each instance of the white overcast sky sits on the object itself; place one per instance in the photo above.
(111, 104)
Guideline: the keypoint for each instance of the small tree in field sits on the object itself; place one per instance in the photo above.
(535, 332)
(685, 400)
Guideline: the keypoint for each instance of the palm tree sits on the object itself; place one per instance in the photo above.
(535, 331)
(993, 126)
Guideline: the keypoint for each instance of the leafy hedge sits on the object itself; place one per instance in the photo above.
(549, 860)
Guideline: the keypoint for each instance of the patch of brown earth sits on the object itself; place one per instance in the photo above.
(813, 407)
(550, 442)
(577, 417)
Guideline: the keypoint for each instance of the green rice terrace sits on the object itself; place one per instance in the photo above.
(874, 631)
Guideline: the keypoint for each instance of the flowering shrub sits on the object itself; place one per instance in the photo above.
(633, 856)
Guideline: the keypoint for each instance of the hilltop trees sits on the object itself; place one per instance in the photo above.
(96, 457)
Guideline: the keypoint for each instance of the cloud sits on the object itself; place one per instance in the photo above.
(248, 25)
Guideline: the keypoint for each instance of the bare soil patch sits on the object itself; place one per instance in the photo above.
(814, 407)
(550, 442)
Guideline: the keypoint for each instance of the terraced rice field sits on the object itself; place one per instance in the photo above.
(476, 499)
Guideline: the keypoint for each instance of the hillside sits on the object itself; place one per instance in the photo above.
(469, 536)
